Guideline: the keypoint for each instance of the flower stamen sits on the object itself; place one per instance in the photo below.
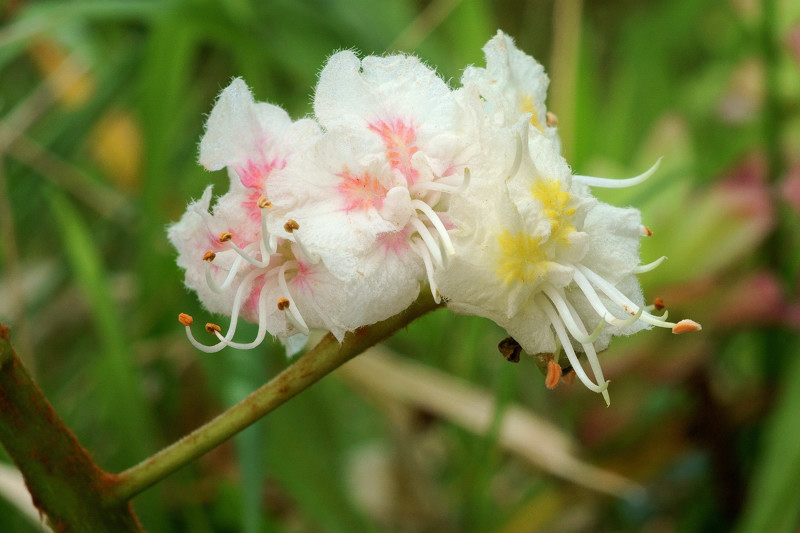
(588, 348)
(269, 242)
(440, 185)
(560, 302)
(228, 279)
(424, 252)
(430, 242)
(641, 269)
(292, 226)
(262, 327)
(437, 223)
(238, 300)
(686, 325)
(243, 253)
(607, 183)
(553, 374)
(563, 338)
(289, 308)
(621, 300)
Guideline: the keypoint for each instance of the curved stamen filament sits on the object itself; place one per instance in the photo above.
(588, 348)
(578, 333)
(561, 333)
(268, 241)
(641, 269)
(425, 254)
(200, 346)
(620, 299)
(262, 327)
(593, 299)
(262, 318)
(238, 300)
(437, 223)
(430, 242)
(228, 279)
(247, 257)
(441, 185)
(632, 320)
(608, 183)
(291, 311)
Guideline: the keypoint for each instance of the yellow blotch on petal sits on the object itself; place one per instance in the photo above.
(520, 258)
(556, 207)
(526, 105)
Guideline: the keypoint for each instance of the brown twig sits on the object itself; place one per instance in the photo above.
(66, 485)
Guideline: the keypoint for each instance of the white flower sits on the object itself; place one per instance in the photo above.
(368, 196)
(536, 253)
(237, 263)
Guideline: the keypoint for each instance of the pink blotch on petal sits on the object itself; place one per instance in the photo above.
(360, 192)
(399, 139)
(445, 218)
(300, 280)
(251, 205)
(396, 242)
(251, 304)
(255, 173)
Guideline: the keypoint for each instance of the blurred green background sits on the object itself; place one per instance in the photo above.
(102, 105)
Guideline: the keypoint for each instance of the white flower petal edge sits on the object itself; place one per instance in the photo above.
(515, 83)
(536, 253)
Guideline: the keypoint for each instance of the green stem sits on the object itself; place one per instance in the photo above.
(64, 482)
(314, 365)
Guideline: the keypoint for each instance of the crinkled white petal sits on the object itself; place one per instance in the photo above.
(353, 92)
(238, 129)
(614, 240)
(513, 82)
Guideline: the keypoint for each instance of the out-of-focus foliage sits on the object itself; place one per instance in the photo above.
(101, 107)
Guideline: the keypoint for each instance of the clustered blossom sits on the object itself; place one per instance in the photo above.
(336, 221)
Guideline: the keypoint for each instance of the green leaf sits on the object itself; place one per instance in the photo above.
(773, 502)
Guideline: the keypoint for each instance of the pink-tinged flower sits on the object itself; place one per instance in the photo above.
(536, 253)
(282, 291)
(369, 195)
(236, 263)
(513, 84)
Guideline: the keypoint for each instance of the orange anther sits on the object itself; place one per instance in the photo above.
(553, 374)
(291, 225)
(686, 325)
(263, 202)
(209, 256)
(658, 303)
(225, 236)
(185, 319)
(212, 328)
(283, 304)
